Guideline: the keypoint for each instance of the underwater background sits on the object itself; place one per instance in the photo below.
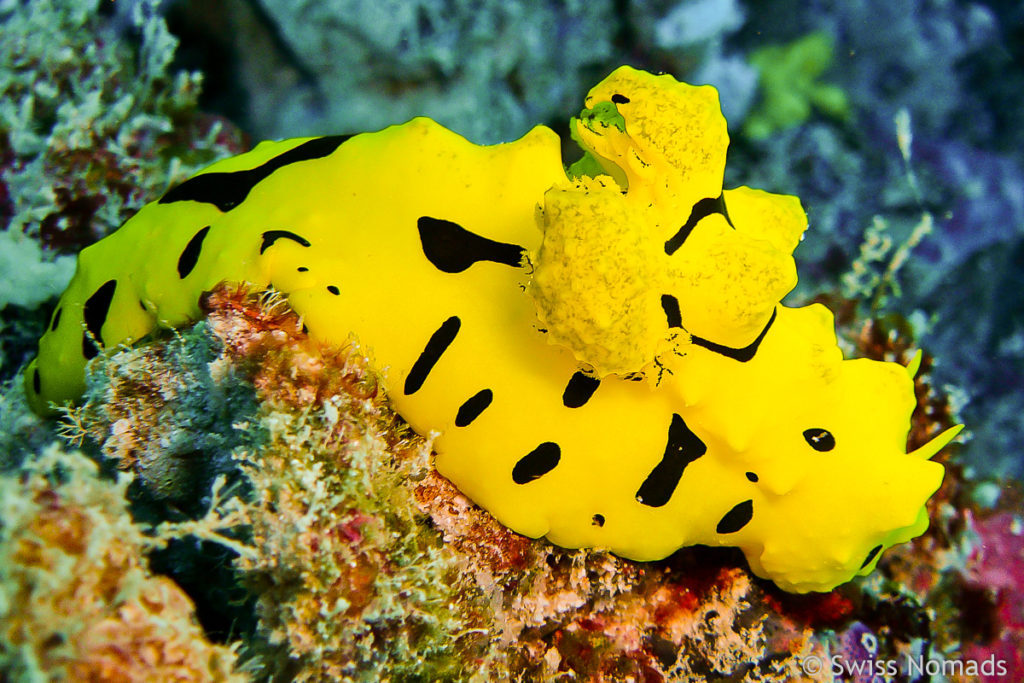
(269, 533)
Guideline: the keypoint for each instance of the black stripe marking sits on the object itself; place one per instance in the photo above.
(700, 210)
(752, 477)
(438, 343)
(598, 520)
(190, 256)
(333, 290)
(95, 313)
(737, 518)
(89, 348)
(670, 305)
(226, 190)
(452, 249)
(619, 98)
(580, 388)
(871, 555)
(56, 319)
(742, 355)
(301, 269)
(683, 448)
(271, 236)
(471, 409)
(537, 463)
(820, 439)
(37, 382)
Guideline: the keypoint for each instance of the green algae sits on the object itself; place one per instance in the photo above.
(790, 85)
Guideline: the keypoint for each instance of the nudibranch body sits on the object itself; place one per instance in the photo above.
(603, 353)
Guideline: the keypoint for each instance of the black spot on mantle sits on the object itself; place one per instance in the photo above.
(670, 305)
(471, 409)
(436, 346)
(226, 190)
(95, 313)
(737, 518)
(190, 254)
(871, 555)
(700, 210)
(742, 354)
(820, 439)
(683, 448)
(537, 463)
(452, 249)
(580, 388)
(271, 236)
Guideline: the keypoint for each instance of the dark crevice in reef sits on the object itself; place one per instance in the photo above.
(206, 47)
(225, 610)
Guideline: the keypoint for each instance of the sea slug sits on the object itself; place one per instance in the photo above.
(601, 348)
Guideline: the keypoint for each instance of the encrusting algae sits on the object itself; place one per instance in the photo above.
(77, 599)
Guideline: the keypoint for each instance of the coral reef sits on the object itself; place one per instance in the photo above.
(77, 601)
(366, 564)
(93, 123)
(995, 572)
(346, 66)
(159, 412)
(381, 64)
(349, 582)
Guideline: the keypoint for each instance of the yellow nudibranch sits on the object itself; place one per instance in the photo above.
(603, 351)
